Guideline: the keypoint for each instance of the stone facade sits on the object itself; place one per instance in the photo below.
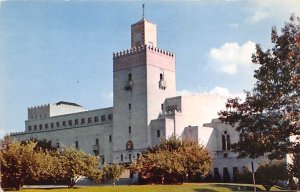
(145, 111)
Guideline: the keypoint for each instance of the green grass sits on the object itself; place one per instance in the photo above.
(187, 187)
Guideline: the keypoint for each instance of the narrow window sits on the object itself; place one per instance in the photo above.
(102, 118)
(35, 127)
(129, 157)
(129, 77)
(76, 145)
(70, 122)
(89, 120)
(97, 141)
(138, 155)
(161, 76)
(121, 157)
(46, 126)
(64, 123)
(129, 129)
(129, 106)
(110, 117)
(109, 138)
(162, 107)
(103, 160)
(82, 121)
(96, 119)
(158, 133)
(29, 128)
(52, 125)
(41, 126)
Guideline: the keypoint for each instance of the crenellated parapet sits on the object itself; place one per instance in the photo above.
(17, 133)
(38, 107)
(140, 49)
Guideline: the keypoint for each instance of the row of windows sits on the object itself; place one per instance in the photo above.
(129, 157)
(81, 121)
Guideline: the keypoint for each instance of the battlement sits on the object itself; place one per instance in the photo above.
(140, 49)
(17, 133)
(38, 106)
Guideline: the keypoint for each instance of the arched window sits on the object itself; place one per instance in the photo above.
(226, 145)
(129, 145)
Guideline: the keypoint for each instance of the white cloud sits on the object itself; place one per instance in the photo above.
(279, 9)
(108, 97)
(230, 56)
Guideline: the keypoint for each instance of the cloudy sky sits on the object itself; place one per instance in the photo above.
(62, 50)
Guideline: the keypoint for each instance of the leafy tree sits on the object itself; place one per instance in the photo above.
(268, 174)
(20, 163)
(270, 115)
(294, 166)
(72, 165)
(113, 172)
(172, 160)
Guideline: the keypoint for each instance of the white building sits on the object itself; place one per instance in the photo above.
(145, 111)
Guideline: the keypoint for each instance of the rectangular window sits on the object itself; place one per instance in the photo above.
(35, 127)
(82, 121)
(138, 155)
(129, 106)
(41, 126)
(52, 125)
(97, 141)
(110, 117)
(29, 128)
(109, 138)
(158, 133)
(64, 123)
(70, 122)
(76, 121)
(103, 160)
(89, 120)
(162, 107)
(129, 156)
(46, 126)
(129, 129)
(122, 157)
(96, 119)
(76, 144)
(103, 118)
(57, 124)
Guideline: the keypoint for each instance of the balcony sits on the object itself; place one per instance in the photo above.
(128, 85)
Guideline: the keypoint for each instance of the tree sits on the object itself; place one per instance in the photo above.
(268, 174)
(269, 118)
(72, 165)
(20, 163)
(294, 167)
(113, 172)
(172, 160)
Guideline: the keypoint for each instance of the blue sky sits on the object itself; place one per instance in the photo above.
(62, 50)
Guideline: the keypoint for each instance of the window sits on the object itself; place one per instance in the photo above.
(102, 118)
(235, 174)
(35, 127)
(225, 155)
(226, 141)
(82, 121)
(64, 123)
(161, 77)
(226, 176)
(46, 126)
(97, 141)
(96, 119)
(129, 157)
(129, 106)
(217, 174)
(89, 120)
(29, 128)
(76, 145)
(129, 145)
(110, 117)
(129, 129)
(52, 125)
(162, 107)
(121, 157)
(70, 122)
(129, 77)
(41, 126)
(57, 124)
(158, 133)
(76, 121)
(109, 138)
(138, 155)
(103, 160)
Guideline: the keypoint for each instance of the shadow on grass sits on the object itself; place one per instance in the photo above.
(232, 187)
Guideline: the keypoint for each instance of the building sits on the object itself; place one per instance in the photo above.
(145, 111)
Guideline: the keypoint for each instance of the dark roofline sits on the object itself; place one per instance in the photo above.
(68, 103)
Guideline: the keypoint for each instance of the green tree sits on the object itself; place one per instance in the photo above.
(172, 160)
(270, 116)
(268, 174)
(113, 172)
(72, 165)
(20, 163)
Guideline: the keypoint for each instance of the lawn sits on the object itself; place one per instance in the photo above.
(187, 187)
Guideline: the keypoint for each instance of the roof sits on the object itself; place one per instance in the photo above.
(68, 103)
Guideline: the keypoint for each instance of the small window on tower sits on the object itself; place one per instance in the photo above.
(129, 77)
(158, 133)
(109, 138)
(129, 106)
(161, 77)
(129, 129)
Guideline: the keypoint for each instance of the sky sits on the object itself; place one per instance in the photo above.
(54, 51)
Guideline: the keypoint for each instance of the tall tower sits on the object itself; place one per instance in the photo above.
(143, 76)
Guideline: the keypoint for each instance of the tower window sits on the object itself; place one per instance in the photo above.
(109, 138)
(97, 141)
(76, 144)
(226, 141)
(158, 133)
(129, 157)
(121, 157)
(129, 129)
(161, 77)
(129, 77)
(129, 106)
(162, 107)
